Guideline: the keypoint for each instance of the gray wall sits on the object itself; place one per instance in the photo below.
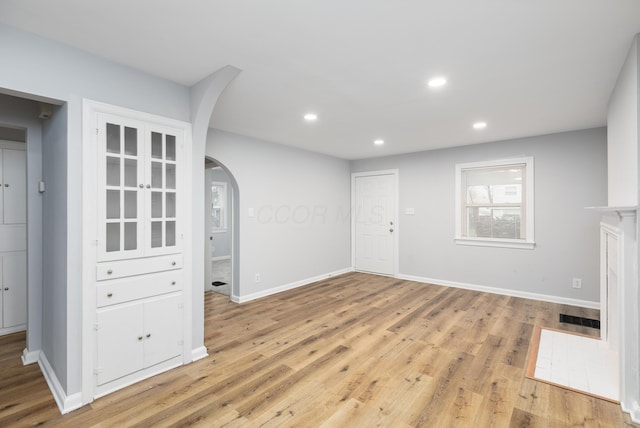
(300, 200)
(40, 68)
(54, 328)
(570, 174)
(623, 134)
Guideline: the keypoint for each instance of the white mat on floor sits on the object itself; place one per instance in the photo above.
(576, 362)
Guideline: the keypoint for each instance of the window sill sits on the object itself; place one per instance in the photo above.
(502, 243)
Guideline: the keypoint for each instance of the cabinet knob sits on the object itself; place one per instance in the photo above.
(6, 185)
(173, 263)
(6, 288)
(173, 283)
(140, 337)
(109, 295)
(141, 185)
(148, 186)
(110, 271)
(148, 335)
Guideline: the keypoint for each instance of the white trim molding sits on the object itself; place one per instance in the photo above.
(66, 403)
(527, 213)
(504, 291)
(30, 357)
(286, 287)
(199, 353)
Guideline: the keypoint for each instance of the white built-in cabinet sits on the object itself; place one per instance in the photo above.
(13, 240)
(139, 287)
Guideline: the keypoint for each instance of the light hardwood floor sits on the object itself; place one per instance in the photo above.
(355, 350)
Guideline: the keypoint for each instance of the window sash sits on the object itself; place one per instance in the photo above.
(505, 182)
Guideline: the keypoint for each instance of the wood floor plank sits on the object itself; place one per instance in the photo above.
(352, 350)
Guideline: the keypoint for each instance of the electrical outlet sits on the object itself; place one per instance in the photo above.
(258, 279)
(577, 283)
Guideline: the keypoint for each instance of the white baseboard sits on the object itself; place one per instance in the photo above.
(633, 410)
(14, 329)
(30, 357)
(217, 259)
(199, 353)
(290, 286)
(66, 403)
(504, 292)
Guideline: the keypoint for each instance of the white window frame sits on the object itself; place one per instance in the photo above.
(222, 207)
(528, 206)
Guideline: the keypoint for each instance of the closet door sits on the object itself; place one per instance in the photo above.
(14, 289)
(14, 185)
(121, 189)
(163, 201)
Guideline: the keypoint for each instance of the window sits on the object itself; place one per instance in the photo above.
(494, 203)
(218, 206)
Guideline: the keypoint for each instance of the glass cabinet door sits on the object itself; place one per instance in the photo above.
(163, 147)
(138, 200)
(120, 180)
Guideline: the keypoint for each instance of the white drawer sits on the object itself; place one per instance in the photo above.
(137, 287)
(124, 268)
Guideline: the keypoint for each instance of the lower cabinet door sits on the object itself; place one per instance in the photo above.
(14, 283)
(163, 329)
(120, 341)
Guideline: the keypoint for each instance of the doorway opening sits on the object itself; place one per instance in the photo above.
(220, 228)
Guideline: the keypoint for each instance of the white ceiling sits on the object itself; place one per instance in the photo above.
(525, 67)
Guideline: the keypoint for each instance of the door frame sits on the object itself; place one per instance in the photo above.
(396, 207)
(231, 225)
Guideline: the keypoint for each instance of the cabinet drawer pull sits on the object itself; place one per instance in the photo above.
(140, 337)
(109, 295)
(110, 271)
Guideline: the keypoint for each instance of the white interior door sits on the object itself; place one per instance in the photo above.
(375, 223)
(208, 230)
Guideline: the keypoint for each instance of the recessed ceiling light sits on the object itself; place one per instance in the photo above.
(479, 125)
(436, 82)
(310, 117)
(378, 142)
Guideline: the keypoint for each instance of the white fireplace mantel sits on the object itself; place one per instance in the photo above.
(626, 296)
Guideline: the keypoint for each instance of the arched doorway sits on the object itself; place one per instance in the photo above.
(221, 230)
